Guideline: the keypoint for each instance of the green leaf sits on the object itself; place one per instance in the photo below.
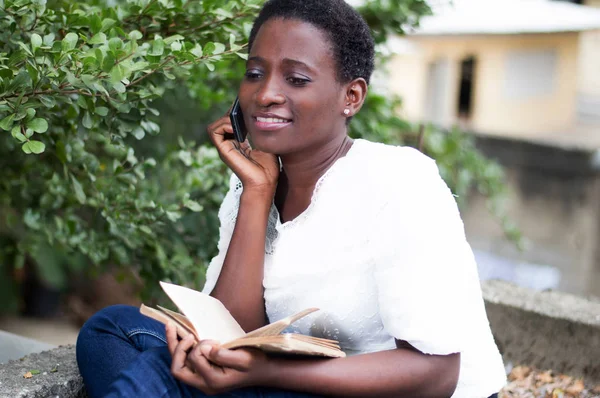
(209, 48)
(100, 38)
(34, 372)
(95, 23)
(87, 120)
(35, 147)
(7, 122)
(197, 50)
(25, 48)
(30, 113)
(38, 125)
(36, 42)
(79, 194)
(173, 216)
(117, 73)
(19, 82)
(176, 46)
(49, 39)
(172, 39)
(158, 47)
(135, 35)
(115, 44)
(219, 48)
(16, 133)
(108, 63)
(101, 111)
(47, 101)
(107, 23)
(193, 206)
(69, 42)
(138, 133)
(224, 13)
(119, 87)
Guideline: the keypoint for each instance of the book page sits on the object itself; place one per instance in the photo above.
(291, 344)
(182, 329)
(209, 316)
(276, 328)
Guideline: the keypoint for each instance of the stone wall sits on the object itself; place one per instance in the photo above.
(550, 330)
(554, 197)
(58, 376)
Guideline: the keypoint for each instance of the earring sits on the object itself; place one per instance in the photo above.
(346, 111)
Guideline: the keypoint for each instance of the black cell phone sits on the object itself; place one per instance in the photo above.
(237, 121)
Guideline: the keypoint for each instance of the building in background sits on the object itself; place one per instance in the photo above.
(515, 68)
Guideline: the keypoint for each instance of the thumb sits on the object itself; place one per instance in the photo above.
(235, 359)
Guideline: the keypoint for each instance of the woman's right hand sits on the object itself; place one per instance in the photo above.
(258, 171)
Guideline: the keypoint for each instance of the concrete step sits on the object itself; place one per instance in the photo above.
(13, 346)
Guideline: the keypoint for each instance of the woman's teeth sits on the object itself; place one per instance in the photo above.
(271, 120)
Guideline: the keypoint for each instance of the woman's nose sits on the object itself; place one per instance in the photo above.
(270, 93)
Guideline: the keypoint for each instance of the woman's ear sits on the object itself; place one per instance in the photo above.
(356, 92)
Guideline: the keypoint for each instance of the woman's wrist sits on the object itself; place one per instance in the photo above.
(266, 372)
(258, 195)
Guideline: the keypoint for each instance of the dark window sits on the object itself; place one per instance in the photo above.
(467, 87)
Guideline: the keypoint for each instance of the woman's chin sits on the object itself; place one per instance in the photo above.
(269, 145)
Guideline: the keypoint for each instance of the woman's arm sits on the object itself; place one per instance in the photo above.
(397, 373)
(239, 285)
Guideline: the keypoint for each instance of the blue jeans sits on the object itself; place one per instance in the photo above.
(122, 353)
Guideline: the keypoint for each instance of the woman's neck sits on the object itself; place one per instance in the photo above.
(303, 171)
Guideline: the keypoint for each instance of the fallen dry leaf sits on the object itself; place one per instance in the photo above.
(28, 375)
(526, 382)
(545, 377)
(519, 373)
(576, 388)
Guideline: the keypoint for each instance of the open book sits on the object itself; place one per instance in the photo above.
(207, 319)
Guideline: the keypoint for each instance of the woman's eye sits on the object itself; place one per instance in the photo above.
(252, 75)
(297, 81)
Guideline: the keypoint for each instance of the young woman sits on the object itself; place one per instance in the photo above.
(368, 233)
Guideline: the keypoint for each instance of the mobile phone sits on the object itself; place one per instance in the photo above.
(237, 121)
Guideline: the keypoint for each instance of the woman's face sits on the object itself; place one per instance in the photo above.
(291, 99)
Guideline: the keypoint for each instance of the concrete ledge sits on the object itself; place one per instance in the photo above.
(58, 378)
(13, 346)
(548, 330)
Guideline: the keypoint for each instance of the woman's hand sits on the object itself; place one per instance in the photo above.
(212, 369)
(258, 171)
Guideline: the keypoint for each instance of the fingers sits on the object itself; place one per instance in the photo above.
(181, 351)
(236, 359)
(218, 129)
(172, 340)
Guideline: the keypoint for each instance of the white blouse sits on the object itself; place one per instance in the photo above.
(381, 250)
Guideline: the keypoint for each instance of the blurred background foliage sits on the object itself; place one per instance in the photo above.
(103, 110)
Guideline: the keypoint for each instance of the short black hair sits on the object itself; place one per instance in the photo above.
(352, 44)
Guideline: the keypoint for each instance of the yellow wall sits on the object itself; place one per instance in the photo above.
(593, 3)
(589, 65)
(493, 112)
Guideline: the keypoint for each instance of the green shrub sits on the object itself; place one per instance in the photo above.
(88, 183)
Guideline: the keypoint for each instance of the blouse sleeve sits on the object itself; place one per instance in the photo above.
(424, 268)
(227, 218)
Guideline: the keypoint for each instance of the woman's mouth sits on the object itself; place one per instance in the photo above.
(271, 123)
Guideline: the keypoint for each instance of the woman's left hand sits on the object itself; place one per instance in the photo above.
(212, 369)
